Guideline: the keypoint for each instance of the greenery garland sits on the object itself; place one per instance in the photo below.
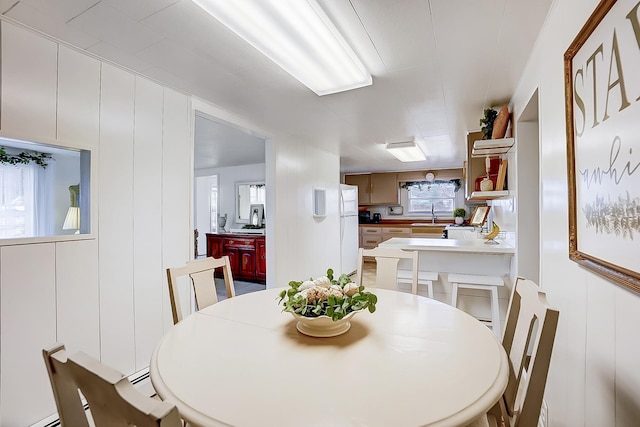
(24, 158)
(409, 184)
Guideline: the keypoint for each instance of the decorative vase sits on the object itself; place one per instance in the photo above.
(486, 184)
(222, 222)
(459, 220)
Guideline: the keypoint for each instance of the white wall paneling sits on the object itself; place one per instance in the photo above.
(593, 378)
(29, 83)
(627, 348)
(177, 173)
(28, 323)
(77, 299)
(148, 275)
(78, 98)
(600, 351)
(115, 219)
(312, 242)
(108, 295)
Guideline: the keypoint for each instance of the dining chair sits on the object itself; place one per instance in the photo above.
(113, 401)
(528, 338)
(387, 260)
(201, 273)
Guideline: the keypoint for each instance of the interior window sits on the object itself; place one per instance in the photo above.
(44, 190)
(437, 197)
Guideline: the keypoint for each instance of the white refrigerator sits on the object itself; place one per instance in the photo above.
(349, 240)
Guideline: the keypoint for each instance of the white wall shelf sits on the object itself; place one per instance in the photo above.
(492, 147)
(488, 195)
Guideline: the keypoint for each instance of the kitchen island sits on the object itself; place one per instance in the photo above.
(466, 256)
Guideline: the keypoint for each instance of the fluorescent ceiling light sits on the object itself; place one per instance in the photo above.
(298, 36)
(406, 151)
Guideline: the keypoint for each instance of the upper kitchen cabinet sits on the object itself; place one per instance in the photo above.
(375, 188)
(363, 182)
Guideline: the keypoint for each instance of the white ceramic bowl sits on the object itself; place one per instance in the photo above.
(323, 326)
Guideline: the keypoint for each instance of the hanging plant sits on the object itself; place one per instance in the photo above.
(24, 158)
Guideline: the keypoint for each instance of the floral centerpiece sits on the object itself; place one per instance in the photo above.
(323, 305)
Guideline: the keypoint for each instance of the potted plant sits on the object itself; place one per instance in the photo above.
(458, 215)
(486, 122)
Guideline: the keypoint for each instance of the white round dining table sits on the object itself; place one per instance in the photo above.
(413, 362)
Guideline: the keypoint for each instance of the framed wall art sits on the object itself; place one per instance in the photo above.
(479, 216)
(602, 100)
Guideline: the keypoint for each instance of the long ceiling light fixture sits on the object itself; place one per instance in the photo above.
(298, 36)
(406, 151)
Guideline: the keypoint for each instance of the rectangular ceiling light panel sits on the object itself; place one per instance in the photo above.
(406, 151)
(298, 36)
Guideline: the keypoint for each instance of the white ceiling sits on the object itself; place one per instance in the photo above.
(436, 64)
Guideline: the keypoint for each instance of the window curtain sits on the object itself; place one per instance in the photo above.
(26, 200)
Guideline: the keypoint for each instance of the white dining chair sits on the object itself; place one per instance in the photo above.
(528, 340)
(387, 260)
(113, 401)
(201, 273)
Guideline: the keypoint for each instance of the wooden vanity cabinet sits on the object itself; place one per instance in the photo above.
(247, 255)
(261, 258)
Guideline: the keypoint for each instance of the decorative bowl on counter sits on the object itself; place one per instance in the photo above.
(324, 305)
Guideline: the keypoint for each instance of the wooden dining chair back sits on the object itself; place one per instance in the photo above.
(201, 273)
(528, 339)
(113, 401)
(387, 260)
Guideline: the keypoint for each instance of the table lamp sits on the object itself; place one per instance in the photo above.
(72, 220)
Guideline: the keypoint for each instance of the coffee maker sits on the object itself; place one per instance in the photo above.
(364, 217)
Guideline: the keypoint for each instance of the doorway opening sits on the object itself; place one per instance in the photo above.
(528, 166)
(226, 156)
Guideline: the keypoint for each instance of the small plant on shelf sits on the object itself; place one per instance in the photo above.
(459, 213)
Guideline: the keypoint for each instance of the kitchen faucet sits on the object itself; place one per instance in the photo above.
(433, 216)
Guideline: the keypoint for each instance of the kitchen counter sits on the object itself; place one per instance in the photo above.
(464, 256)
(416, 222)
(449, 245)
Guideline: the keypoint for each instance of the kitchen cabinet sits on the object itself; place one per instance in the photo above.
(428, 231)
(370, 236)
(384, 188)
(375, 188)
(389, 232)
(363, 182)
(247, 255)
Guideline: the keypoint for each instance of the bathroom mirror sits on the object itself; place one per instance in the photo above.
(44, 190)
(247, 194)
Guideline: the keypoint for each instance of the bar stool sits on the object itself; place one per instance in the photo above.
(424, 278)
(485, 283)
